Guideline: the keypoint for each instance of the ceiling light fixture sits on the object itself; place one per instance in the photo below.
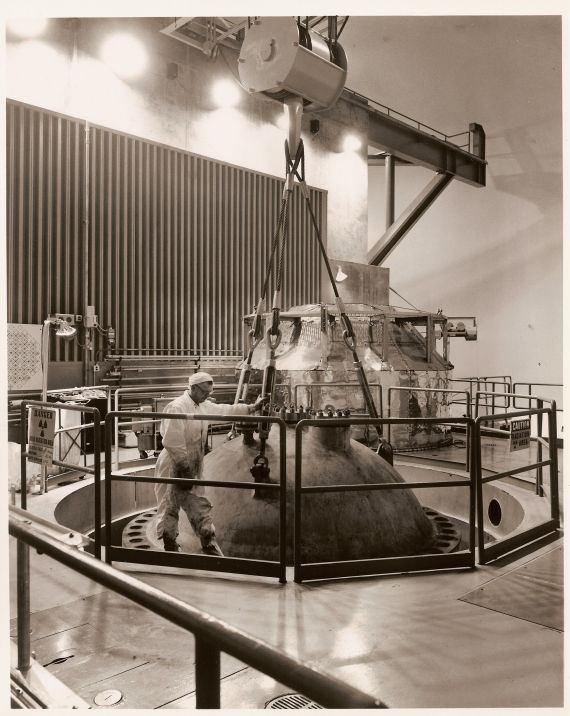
(225, 94)
(125, 55)
(340, 276)
(351, 143)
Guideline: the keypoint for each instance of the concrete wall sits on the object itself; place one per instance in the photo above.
(62, 72)
(495, 252)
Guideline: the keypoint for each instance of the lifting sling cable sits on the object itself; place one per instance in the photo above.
(295, 168)
(255, 334)
(349, 337)
(260, 468)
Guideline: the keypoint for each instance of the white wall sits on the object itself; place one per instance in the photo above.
(494, 252)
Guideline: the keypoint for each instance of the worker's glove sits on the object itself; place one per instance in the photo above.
(259, 403)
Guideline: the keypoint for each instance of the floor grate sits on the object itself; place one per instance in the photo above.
(292, 701)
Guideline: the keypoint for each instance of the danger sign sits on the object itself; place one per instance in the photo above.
(41, 432)
(520, 434)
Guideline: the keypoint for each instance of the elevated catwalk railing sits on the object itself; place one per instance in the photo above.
(212, 635)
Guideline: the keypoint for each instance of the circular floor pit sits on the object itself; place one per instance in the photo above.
(292, 701)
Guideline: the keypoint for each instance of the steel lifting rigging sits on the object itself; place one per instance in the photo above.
(287, 49)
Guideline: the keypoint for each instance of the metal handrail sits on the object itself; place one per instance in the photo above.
(519, 539)
(224, 564)
(540, 401)
(95, 470)
(432, 390)
(212, 635)
(530, 387)
(160, 389)
(311, 386)
(505, 380)
(348, 568)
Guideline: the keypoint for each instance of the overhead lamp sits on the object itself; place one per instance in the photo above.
(64, 330)
(27, 27)
(225, 94)
(340, 275)
(124, 54)
(351, 143)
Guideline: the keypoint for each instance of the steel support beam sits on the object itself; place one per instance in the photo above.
(411, 144)
(418, 147)
(396, 232)
(390, 190)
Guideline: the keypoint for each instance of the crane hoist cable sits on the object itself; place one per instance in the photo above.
(295, 169)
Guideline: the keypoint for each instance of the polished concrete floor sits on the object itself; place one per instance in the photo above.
(472, 638)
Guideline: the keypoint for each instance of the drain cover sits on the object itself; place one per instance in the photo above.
(109, 697)
(292, 701)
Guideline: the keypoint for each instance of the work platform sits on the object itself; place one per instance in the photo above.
(479, 638)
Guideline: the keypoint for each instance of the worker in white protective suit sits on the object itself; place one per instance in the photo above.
(184, 444)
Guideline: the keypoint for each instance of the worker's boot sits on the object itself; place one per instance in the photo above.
(211, 547)
(170, 544)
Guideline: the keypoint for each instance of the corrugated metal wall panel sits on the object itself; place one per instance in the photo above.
(45, 183)
(178, 244)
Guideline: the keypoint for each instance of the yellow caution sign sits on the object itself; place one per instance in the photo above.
(41, 433)
(520, 434)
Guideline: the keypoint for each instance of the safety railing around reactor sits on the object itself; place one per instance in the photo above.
(212, 635)
(539, 440)
(304, 571)
(445, 392)
(495, 386)
(75, 435)
(310, 387)
(150, 392)
(519, 538)
(258, 567)
(160, 392)
(95, 470)
(524, 399)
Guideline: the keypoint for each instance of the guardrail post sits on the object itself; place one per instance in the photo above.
(97, 481)
(553, 454)
(109, 424)
(282, 503)
(207, 675)
(23, 462)
(539, 478)
(476, 473)
(473, 458)
(23, 606)
(297, 503)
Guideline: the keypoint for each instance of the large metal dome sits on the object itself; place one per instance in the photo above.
(335, 525)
